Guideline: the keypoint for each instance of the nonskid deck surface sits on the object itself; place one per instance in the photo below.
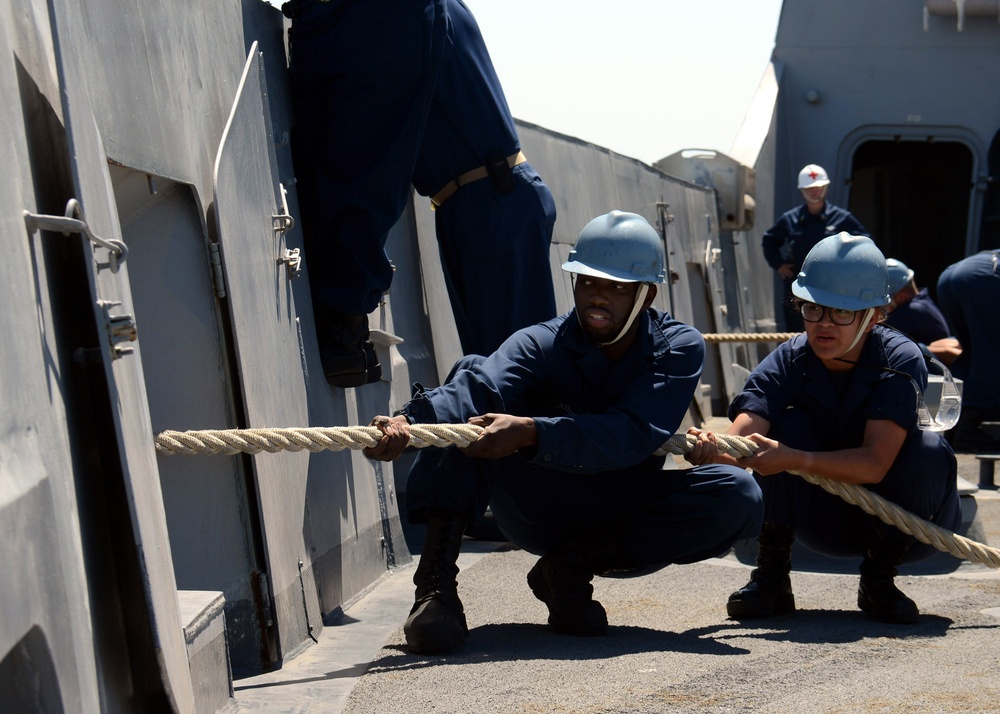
(670, 646)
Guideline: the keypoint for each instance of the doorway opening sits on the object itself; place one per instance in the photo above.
(989, 236)
(914, 198)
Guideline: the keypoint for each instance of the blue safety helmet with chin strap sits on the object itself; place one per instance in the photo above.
(899, 275)
(844, 272)
(618, 246)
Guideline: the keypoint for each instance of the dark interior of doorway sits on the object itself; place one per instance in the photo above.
(913, 196)
(990, 234)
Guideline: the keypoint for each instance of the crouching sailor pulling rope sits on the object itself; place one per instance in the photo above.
(838, 402)
(572, 410)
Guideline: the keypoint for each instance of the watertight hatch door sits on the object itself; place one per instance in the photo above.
(111, 296)
(265, 333)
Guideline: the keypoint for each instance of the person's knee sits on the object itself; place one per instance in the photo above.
(737, 503)
(465, 362)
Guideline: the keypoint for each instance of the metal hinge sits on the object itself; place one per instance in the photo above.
(218, 280)
(266, 602)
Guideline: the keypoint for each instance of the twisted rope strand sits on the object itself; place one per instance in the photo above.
(749, 337)
(253, 441)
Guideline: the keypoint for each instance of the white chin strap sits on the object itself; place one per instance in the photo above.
(861, 329)
(640, 298)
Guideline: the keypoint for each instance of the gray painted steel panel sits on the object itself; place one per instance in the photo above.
(125, 380)
(886, 77)
(265, 331)
(46, 625)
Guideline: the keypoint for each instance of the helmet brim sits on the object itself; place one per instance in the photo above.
(579, 268)
(840, 302)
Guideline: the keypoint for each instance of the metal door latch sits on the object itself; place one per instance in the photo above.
(292, 260)
(74, 222)
(120, 328)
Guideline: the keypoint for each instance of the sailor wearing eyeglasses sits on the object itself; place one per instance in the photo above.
(839, 402)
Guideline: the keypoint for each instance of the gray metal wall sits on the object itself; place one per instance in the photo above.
(878, 73)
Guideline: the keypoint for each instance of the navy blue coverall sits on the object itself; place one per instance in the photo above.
(593, 478)
(791, 238)
(968, 293)
(393, 92)
(814, 409)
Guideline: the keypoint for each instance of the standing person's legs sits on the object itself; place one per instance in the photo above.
(495, 253)
(361, 88)
(968, 293)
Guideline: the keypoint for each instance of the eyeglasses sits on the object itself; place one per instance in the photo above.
(811, 312)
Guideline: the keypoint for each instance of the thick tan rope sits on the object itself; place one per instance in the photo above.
(253, 441)
(336, 438)
(868, 501)
(749, 336)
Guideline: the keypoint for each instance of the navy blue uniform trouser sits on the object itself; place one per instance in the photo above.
(922, 480)
(495, 253)
(968, 293)
(652, 517)
(362, 75)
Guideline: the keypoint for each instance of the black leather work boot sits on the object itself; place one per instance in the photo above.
(561, 579)
(347, 355)
(769, 591)
(878, 595)
(437, 619)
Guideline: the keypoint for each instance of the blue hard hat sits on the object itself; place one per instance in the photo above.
(899, 275)
(618, 246)
(844, 271)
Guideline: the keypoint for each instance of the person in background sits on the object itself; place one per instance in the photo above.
(573, 411)
(968, 292)
(913, 312)
(389, 93)
(790, 239)
(839, 402)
